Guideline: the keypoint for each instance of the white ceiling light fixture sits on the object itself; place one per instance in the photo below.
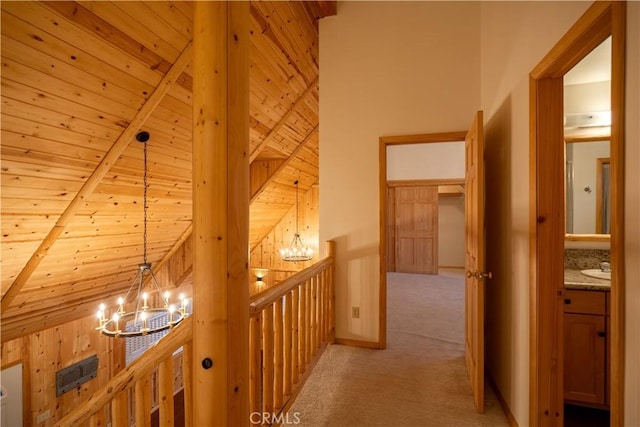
(144, 319)
(296, 251)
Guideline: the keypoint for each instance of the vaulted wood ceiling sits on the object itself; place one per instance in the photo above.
(79, 80)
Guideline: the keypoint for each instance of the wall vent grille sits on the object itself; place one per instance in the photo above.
(75, 375)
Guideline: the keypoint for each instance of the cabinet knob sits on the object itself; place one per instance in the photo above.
(567, 300)
(602, 334)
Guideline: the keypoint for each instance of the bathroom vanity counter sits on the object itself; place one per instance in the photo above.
(574, 279)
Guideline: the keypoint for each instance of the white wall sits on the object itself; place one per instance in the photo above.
(11, 410)
(416, 67)
(387, 68)
(451, 239)
(435, 160)
(513, 43)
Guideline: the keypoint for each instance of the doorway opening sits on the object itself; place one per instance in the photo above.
(547, 219)
(387, 236)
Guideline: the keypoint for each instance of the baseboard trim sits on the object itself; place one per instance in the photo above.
(358, 343)
(503, 403)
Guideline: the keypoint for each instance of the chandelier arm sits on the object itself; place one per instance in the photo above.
(139, 293)
(156, 284)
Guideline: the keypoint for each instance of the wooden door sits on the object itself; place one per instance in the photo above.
(474, 259)
(416, 215)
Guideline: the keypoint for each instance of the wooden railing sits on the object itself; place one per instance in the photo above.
(290, 324)
(115, 393)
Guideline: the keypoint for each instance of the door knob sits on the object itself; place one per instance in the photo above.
(479, 275)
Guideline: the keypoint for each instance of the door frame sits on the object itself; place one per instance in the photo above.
(386, 141)
(601, 20)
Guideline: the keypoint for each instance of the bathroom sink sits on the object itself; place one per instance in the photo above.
(597, 273)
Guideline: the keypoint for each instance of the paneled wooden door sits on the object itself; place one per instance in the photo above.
(416, 224)
(475, 259)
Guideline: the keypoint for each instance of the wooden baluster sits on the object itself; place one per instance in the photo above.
(307, 319)
(288, 346)
(255, 368)
(267, 361)
(143, 402)
(187, 374)
(278, 343)
(165, 388)
(119, 410)
(323, 308)
(295, 335)
(313, 344)
(302, 327)
(331, 252)
(319, 315)
(93, 420)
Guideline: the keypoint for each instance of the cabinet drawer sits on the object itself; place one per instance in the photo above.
(584, 302)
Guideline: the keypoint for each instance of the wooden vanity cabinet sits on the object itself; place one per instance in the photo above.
(586, 346)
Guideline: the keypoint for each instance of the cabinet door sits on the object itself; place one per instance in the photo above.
(584, 358)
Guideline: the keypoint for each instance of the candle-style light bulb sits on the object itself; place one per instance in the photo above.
(120, 305)
(166, 298)
(144, 301)
(100, 316)
(183, 304)
(172, 308)
(116, 318)
(143, 317)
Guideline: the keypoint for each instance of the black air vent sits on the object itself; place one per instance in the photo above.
(75, 375)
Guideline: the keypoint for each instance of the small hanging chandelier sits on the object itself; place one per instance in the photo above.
(144, 319)
(296, 251)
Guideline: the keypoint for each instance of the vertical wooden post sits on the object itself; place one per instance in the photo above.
(331, 252)
(221, 213)
(187, 374)
(255, 370)
(143, 402)
(267, 360)
(165, 395)
(295, 335)
(302, 329)
(278, 355)
(119, 410)
(288, 347)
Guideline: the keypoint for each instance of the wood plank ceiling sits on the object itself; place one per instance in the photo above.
(79, 79)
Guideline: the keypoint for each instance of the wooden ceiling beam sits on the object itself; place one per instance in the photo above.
(327, 8)
(282, 121)
(101, 170)
(283, 165)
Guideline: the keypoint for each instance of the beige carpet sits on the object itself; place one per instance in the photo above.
(419, 380)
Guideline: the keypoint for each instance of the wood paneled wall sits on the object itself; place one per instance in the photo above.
(266, 254)
(46, 352)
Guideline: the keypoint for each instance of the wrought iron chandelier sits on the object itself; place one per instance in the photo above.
(297, 251)
(144, 319)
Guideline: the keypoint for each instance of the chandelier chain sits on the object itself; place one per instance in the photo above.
(296, 183)
(145, 207)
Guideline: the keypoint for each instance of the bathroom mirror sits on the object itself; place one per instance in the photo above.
(587, 194)
(587, 129)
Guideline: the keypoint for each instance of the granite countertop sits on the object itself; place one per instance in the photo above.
(573, 279)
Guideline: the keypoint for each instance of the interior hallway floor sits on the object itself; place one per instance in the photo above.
(419, 380)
